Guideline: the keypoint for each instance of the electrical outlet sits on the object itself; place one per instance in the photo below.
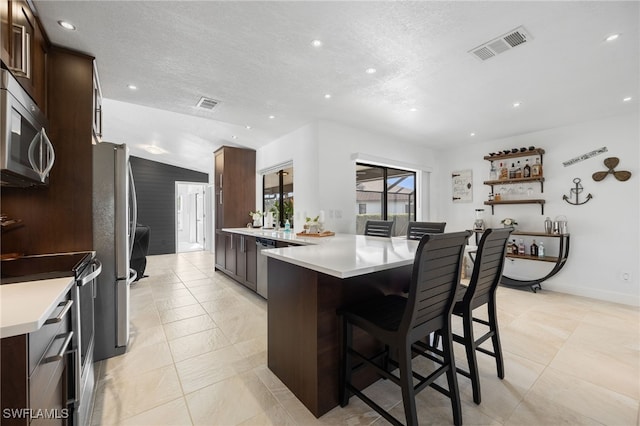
(625, 276)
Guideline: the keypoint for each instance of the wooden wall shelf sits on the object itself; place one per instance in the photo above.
(537, 201)
(528, 153)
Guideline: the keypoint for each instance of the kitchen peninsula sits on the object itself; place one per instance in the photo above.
(306, 286)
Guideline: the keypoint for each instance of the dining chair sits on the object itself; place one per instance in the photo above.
(416, 230)
(486, 275)
(401, 323)
(379, 228)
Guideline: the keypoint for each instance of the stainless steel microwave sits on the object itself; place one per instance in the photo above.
(27, 154)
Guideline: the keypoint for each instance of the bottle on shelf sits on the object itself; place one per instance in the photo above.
(518, 172)
(533, 250)
(536, 169)
(521, 247)
(548, 225)
(512, 171)
(541, 250)
(514, 247)
(504, 172)
(509, 248)
(287, 226)
(526, 170)
(493, 174)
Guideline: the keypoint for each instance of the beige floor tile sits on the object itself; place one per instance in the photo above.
(176, 302)
(231, 401)
(274, 416)
(537, 411)
(138, 361)
(140, 337)
(208, 368)
(174, 413)
(170, 293)
(187, 326)
(198, 343)
(119, 398)
(181, 313)
(242, 328)
(144, 320)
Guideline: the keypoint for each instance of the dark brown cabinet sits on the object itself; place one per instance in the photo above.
(236, 256)
(24, 48)
(35, 371)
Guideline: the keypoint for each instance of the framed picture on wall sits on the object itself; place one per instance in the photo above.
(462, 186)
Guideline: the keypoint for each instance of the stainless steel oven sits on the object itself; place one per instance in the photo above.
(26, 153)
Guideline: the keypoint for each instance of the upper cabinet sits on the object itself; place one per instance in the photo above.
(24, 48)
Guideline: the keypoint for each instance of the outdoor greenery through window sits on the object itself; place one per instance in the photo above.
(384, 193)
(277, 190)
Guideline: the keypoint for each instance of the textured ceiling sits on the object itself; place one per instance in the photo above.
(256, 58)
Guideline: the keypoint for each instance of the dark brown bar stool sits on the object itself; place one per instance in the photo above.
(416, 230)
(487, 272)
(401, 323)
(378, 228)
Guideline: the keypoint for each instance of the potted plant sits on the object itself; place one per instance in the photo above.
(257, 218)
(507, 222)
(311, 226)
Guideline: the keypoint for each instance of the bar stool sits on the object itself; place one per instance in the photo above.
(487, 272)
(402, 323)
(378, 228)
(415, 230)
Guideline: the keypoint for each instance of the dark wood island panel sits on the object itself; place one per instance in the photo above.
(303, 335)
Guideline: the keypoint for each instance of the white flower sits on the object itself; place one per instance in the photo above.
(508, 221)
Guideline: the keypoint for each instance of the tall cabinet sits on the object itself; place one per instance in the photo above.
(235, 192)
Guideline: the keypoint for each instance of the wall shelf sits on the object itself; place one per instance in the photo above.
(537, 201)
(528, 153)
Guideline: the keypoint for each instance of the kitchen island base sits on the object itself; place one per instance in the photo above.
(303, 332)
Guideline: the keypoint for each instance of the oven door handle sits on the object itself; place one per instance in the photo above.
(93, 275)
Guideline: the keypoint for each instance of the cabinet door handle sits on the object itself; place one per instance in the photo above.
(220, 180)
(67, 305)
(220, 197)
(231, 236)
(67, 341)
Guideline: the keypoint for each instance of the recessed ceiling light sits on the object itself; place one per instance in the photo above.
(472, 134)
(516, 104)
(316, 43)
(154, 149)
(234, 137)
(132, 86)
(67, 25)
(271, 117)
(370, 70)
(612, 37)
(627, 99)
(247, 127)
(327, 96)
(413, 109)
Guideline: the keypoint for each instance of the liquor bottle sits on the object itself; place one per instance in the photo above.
(526, 170)
(512, 171)
(504, 172)
(534, 249)
(514, 247)
(509, 249)
(536, 169)
(493, 174)
(541, 250)
(521, 247)
(518, 172)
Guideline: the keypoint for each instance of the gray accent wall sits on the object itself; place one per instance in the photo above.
(155, 187)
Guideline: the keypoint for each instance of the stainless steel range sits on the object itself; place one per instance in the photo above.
(84, 268)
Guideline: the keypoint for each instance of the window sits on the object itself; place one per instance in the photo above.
(277, 190)
(384, 193)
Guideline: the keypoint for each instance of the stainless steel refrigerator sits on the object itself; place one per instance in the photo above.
(114, 222)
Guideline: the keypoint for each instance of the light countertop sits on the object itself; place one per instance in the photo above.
(24, 307)
(280, 235)
(346, 255)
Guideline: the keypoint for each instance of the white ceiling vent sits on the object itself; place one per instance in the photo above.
(207, 103)
(501, 44)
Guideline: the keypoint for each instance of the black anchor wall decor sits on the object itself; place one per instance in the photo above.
(575, 193)
(611, 163)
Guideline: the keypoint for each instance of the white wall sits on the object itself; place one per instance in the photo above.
(605, 232)
(324, 156)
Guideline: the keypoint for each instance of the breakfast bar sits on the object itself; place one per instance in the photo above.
(307, 285)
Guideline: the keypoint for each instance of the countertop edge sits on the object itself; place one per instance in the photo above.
(21, 295)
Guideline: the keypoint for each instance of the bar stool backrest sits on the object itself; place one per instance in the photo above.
(436, 274)
(378, 228)
(416, 230)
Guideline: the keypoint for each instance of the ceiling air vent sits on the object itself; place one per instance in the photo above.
(501, 44)
(207, 103)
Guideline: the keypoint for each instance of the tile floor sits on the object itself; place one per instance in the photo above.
(198, 356)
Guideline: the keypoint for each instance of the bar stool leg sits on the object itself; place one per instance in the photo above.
(406, 383)
(495, 338)
(470, 347)
(452, 378)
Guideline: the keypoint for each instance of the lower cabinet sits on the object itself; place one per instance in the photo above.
(236, 256)
(37, 372)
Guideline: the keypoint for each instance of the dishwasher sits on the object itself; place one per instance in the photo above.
(263, 273)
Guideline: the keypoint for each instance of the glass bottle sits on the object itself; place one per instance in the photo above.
(518, 171)
(287, 226)
(512, 171)
(521, 247)
(548, 225)
(526, 170)
(534, 249)
(541, 250)
(504, 172)
(536, 169)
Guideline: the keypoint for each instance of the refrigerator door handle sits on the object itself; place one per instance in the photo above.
(134, 209)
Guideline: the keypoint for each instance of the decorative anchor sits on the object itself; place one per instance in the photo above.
(575, 192)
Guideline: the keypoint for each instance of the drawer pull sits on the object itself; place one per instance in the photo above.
(67, 305)
(63, 349)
